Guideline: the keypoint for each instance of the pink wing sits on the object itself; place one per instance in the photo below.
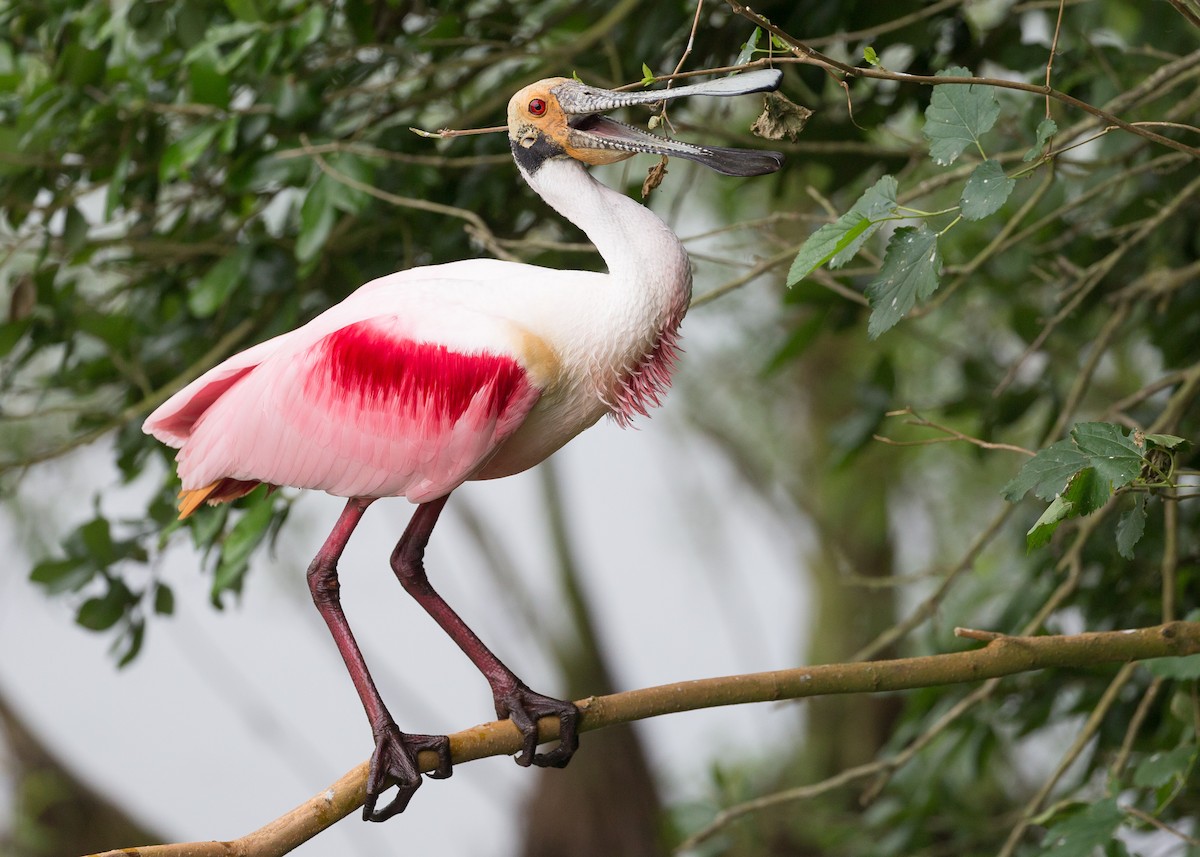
(363, 411)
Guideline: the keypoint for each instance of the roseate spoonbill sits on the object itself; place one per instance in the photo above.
(427, 378)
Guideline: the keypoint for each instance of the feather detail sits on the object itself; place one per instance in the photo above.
(221, 491)
(643, 383)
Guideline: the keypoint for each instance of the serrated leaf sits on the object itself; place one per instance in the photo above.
(1165, 441)
(1058, 511)
(986, 190)
(1131, 526)
(1083, 832)
(825, 243)
(1103, 446)
(911, 272)
(1158, 769)
(877, 203)
(1115, 455)
(1186, 668)
(1088, 491)
(1046, 129)
(957, 116)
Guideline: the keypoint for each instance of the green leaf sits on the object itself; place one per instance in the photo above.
(826, 243)
(986, 190)
(75, 231)
(179, 157)
(647, 75)
(317, 216)
(957, 116)
(244, 10)
(1159, 769)
(1115, 455)
(1165, 441)
(1046, 129)
(870, 56)
(1186, 668)
(308, 27)
(96, 537)
(798, 341)
(1087, 491)
(100, 614)
(133, 637)
(81, 66)
(63, 575)
(11, 332)
(240, 543)
(1059, 510)
(1116, 458)
(1131, 526)
(910, 272)
(1083, 832)
(1046, 474)
(214, 288)
(164, 599)
(749, 48)
(207, 84)
(877, 203)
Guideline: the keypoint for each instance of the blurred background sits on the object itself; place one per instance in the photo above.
(181, 179)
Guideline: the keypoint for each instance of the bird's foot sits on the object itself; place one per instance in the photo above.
(524, 708)
(394, 763)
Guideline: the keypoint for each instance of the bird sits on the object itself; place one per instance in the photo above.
(424, 379)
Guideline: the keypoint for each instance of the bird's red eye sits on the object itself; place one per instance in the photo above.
(537, 107)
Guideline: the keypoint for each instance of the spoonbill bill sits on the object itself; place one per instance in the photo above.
(426, 378)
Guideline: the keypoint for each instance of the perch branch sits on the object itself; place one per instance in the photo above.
(1002, 656)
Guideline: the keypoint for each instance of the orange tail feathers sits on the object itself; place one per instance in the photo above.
(221, 491)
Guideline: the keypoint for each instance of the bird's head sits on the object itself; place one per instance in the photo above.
(560, 118)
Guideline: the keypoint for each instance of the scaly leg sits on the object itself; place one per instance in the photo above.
(394, 761)
(513, 698)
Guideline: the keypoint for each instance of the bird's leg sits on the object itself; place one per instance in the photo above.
(513, 698)
(394, 761)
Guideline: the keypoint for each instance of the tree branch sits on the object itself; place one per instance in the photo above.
(1002, 656)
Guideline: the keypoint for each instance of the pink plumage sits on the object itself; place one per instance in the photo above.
(362, 411)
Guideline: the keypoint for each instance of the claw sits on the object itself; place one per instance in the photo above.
(524, 708)
(394, 763)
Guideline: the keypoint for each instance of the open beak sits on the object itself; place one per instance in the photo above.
(589, 131)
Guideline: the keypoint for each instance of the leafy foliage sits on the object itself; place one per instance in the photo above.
(1081, 474)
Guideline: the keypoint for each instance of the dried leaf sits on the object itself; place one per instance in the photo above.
(654, 176)
(780, 118)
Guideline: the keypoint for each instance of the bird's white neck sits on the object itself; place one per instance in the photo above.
(650, 285)
(641, 252)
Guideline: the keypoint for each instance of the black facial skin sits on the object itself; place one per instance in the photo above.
(533, 156)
